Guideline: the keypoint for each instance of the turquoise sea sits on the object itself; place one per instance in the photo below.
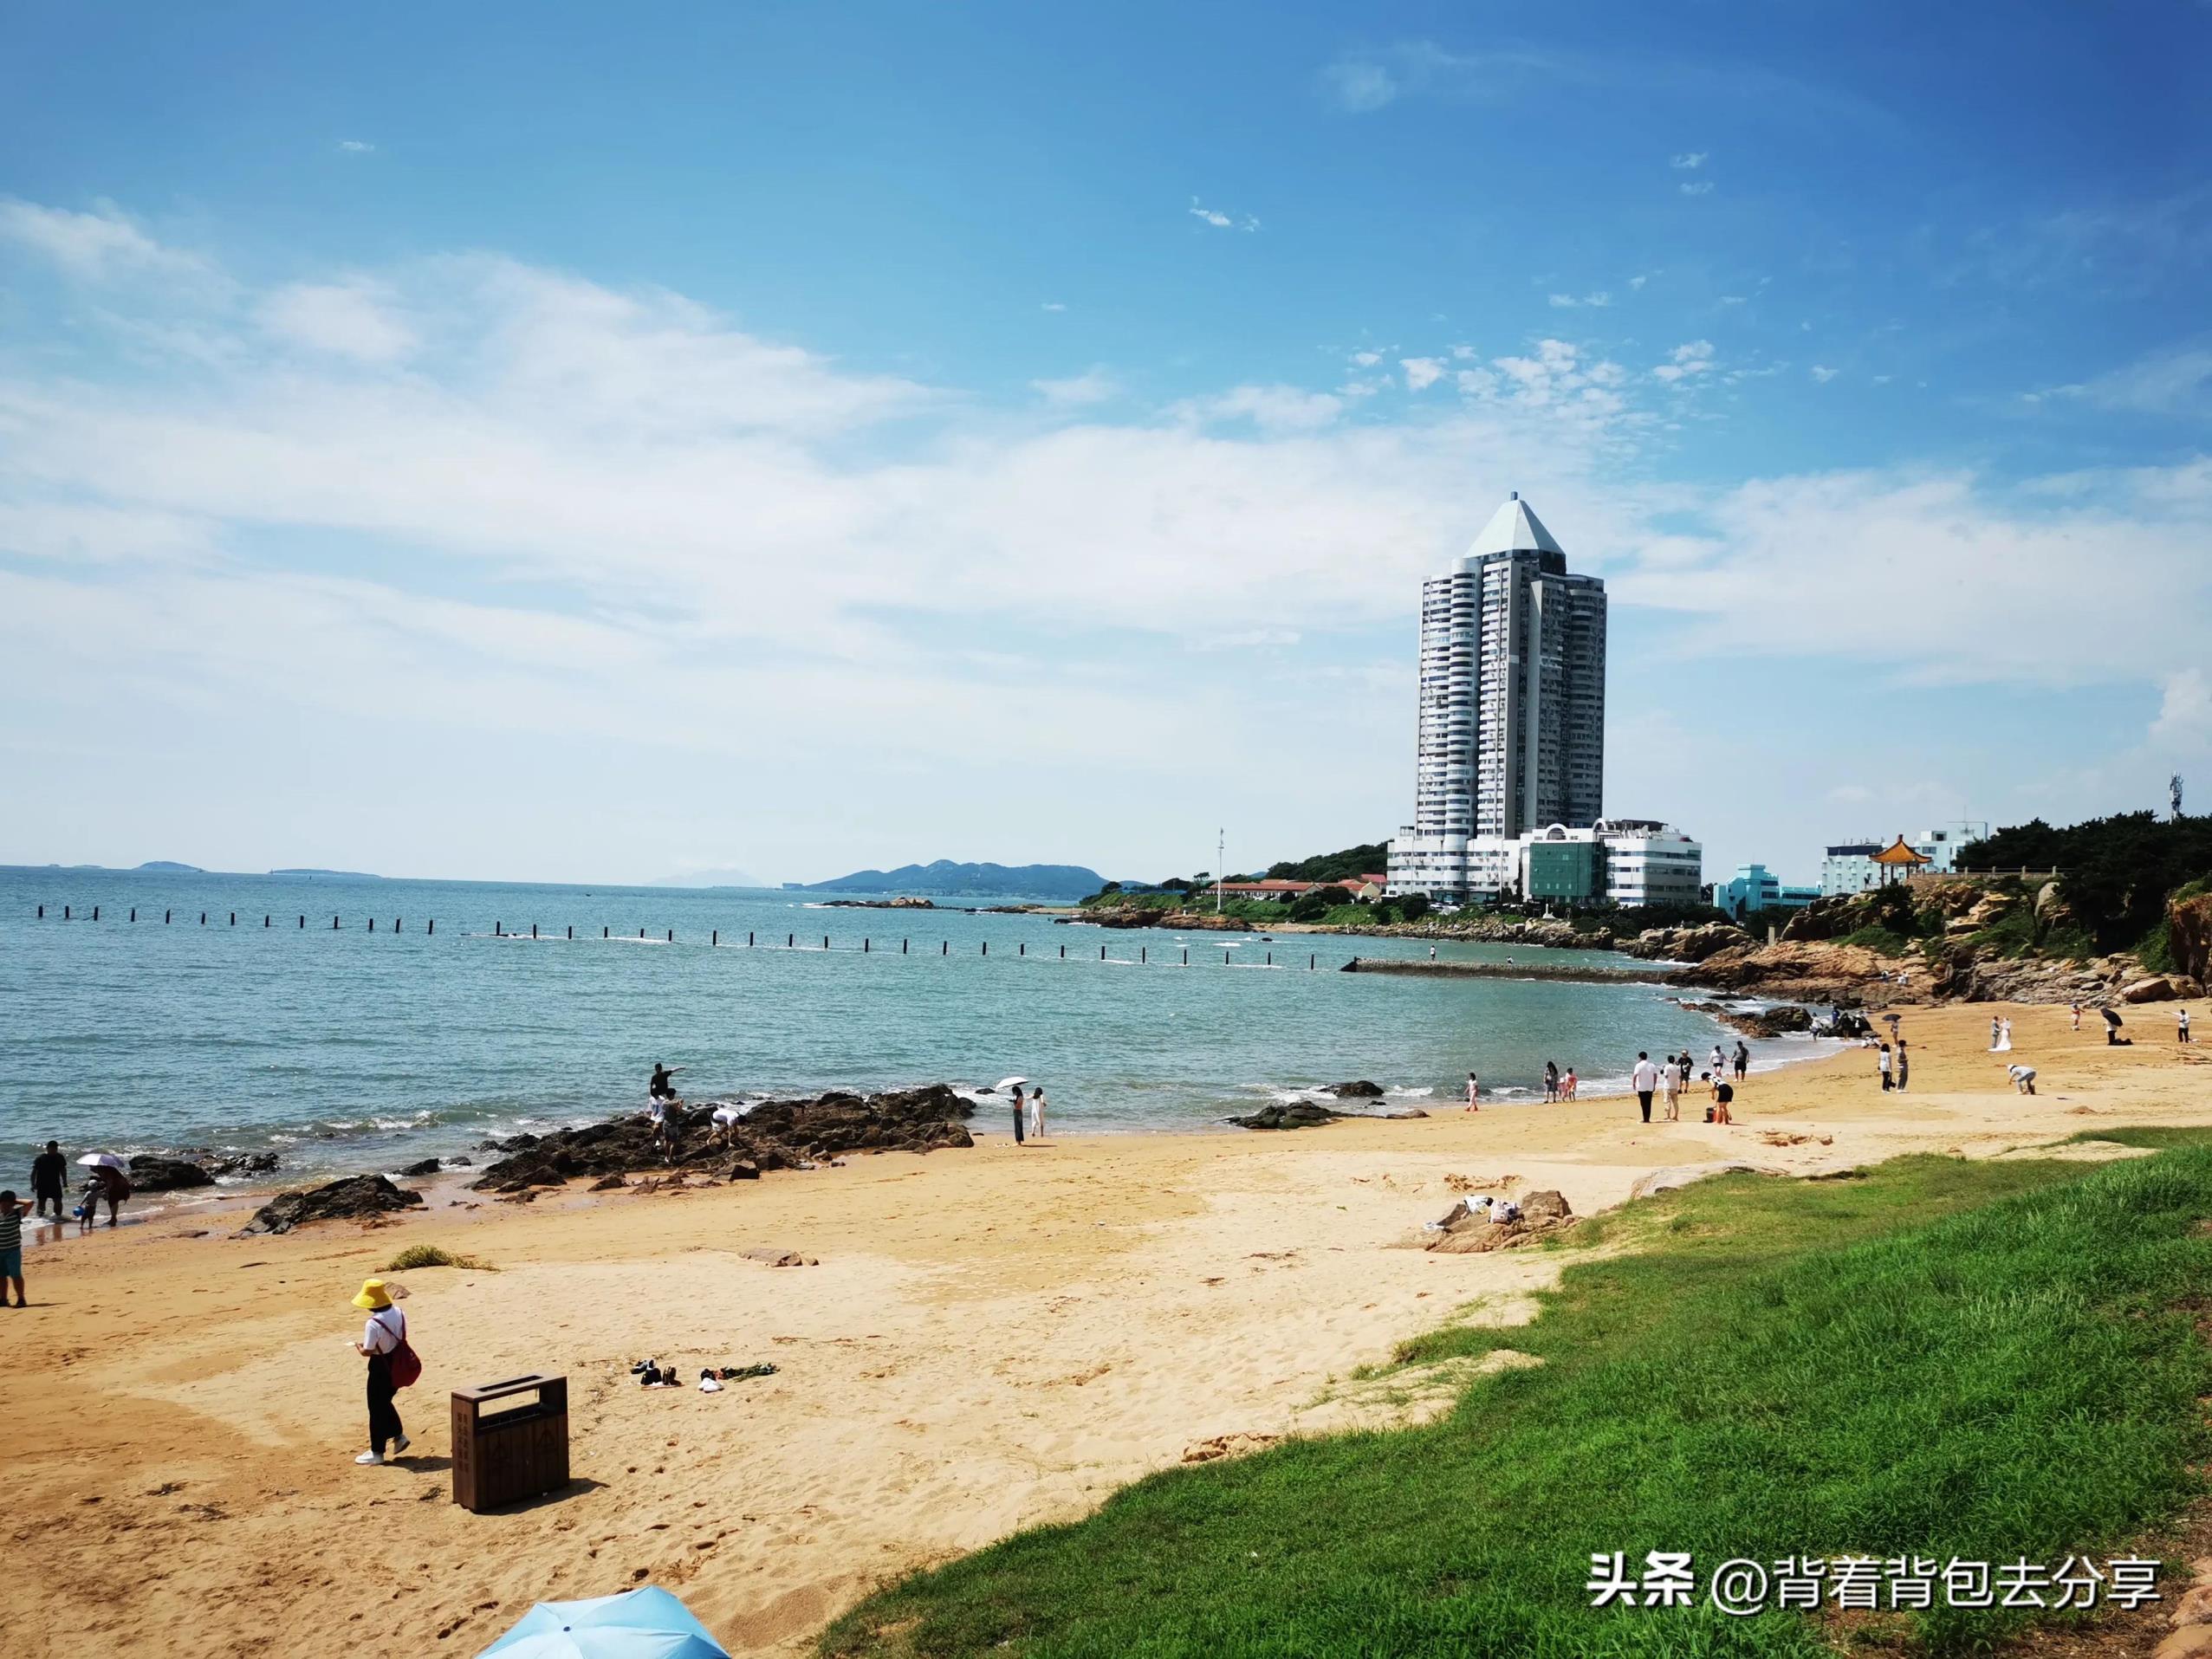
(346, 1048)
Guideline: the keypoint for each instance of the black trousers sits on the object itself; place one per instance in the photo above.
(1644, 1099)
(384, 1416)
(1017, 1125)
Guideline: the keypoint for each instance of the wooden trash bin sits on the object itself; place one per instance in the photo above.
(514, 1451)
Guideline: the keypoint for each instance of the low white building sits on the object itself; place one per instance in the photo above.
(1635, 862)
(1849, 866)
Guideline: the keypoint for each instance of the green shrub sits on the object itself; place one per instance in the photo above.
(432, 1256)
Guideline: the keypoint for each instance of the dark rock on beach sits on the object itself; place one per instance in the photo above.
(1297, 1114)
(428, 1166)
(1361, 1090)
(354, 1197)
(773, 1134)
(153, 1173)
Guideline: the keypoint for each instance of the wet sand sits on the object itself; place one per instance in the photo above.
(992, 1339)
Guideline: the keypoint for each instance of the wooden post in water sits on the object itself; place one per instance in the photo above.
(234, 918)
(96, 912)
(1186, 955)
(902, 947)
(1309, 965)
(371, 923)
(641, 933)
(266, 919)
(603, 933)
(495, 933)
(825, 942)
(1224, 959)
(1063, 953)
(865, 944)
(134, 914)
(1144, 954)
(572, 929)
(671, 936)
(1022, 950)
(42, 912)
(944, 948)
(395, 922)
(432, 928)
(714, 938)
(748, 942)
(1101, 953)
(987, 947)
(790, 940)
(65, 912)
(534, 929)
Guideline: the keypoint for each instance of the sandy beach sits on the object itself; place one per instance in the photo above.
(991, 1338)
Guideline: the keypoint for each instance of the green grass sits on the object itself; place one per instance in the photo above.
(431, 1255)
(2154, 1137)
(1882, 942)
(1943, 1357)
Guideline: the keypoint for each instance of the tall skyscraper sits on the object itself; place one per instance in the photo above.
(1512, 706)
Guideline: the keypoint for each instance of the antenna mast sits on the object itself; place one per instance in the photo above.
(1221, 846)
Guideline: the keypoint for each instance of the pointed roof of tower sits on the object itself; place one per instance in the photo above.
(1513, 529)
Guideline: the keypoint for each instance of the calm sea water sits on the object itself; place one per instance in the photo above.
(353, 1049)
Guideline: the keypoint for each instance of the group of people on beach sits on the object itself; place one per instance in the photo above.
(50, 1190)
(1669, 1080)
(1029, 1113)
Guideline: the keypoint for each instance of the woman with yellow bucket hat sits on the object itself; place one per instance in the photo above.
(391, 1366)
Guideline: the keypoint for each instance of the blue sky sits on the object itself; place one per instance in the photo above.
(562, 443)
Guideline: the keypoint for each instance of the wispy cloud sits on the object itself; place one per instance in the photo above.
(1695, 357)
(2174, 380)
(1220, 221)
(356, 146)
(1053, 305)
(1077, 391)
(1691, 160)
(1270, 408)
(1700, 187)
(354, 319)
(1822, 373)
(1569, 302)
(101, 243)
(1421, 372)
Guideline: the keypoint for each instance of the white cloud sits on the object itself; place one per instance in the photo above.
(1421, 372)
(356, 146)
(1053, 305)
(1367, 359)
(1568, 303)
(2184, 711)
(1359, 86)
(1882, 380)
(1701, 187)
(1220, 221)
(1689, 160)
(1685, 360)
(1271, 408)
(1733, 298)
(1092, 386)
(92, 245)
(349, 319)
(1638, 280)
(1822, 374)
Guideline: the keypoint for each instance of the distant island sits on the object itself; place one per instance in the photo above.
(169, 867)
(944, 878)
(331, 875)
(709, 878)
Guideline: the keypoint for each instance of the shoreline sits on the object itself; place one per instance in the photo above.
(993, 1338)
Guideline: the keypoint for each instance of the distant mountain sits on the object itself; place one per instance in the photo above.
(946, 879)
(710, 878)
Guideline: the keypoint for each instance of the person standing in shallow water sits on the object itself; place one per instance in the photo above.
(49, 1180)
(1018, 1112)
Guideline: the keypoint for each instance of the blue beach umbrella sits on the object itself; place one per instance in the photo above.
(643, 1623)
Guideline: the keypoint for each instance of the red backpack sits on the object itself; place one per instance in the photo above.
(406, 1364)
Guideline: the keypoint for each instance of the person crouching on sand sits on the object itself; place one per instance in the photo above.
(2023, 1078)
(1723, 1098)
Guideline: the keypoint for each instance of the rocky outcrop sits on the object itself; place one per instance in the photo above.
(773, 1134)
(426, 1166)
(1296, 1114)
(1361, 1090)
(353, 1197)
(2159, 988)
(1809, 972)
(2188, 935)
(904, 902)
(1471, 1232)
(153, 1173)
(1687, 944)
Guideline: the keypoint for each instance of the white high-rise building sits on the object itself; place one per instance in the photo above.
(1513, 707)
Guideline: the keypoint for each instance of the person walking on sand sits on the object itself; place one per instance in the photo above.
(1902, 1066)
(1719, 1062)
(1683, 1064)
(11, 1248)
(2180, 1027)
(1742, 1059)
(1550, 1081)
(381, 1340)
(1474, 1092)
(2077, 1014)
(1644, 1080)
(1883, 1062)
(1671, 1090)
(1037, 1112)
(1020, 1112)
(49, 1180)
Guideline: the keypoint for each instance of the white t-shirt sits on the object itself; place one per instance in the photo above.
(2020, 1073)
(384, 1329)
(1645, 1077)
(1885, 1060)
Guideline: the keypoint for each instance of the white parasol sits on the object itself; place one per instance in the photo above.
(1011, 1082)
(104, 1161)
